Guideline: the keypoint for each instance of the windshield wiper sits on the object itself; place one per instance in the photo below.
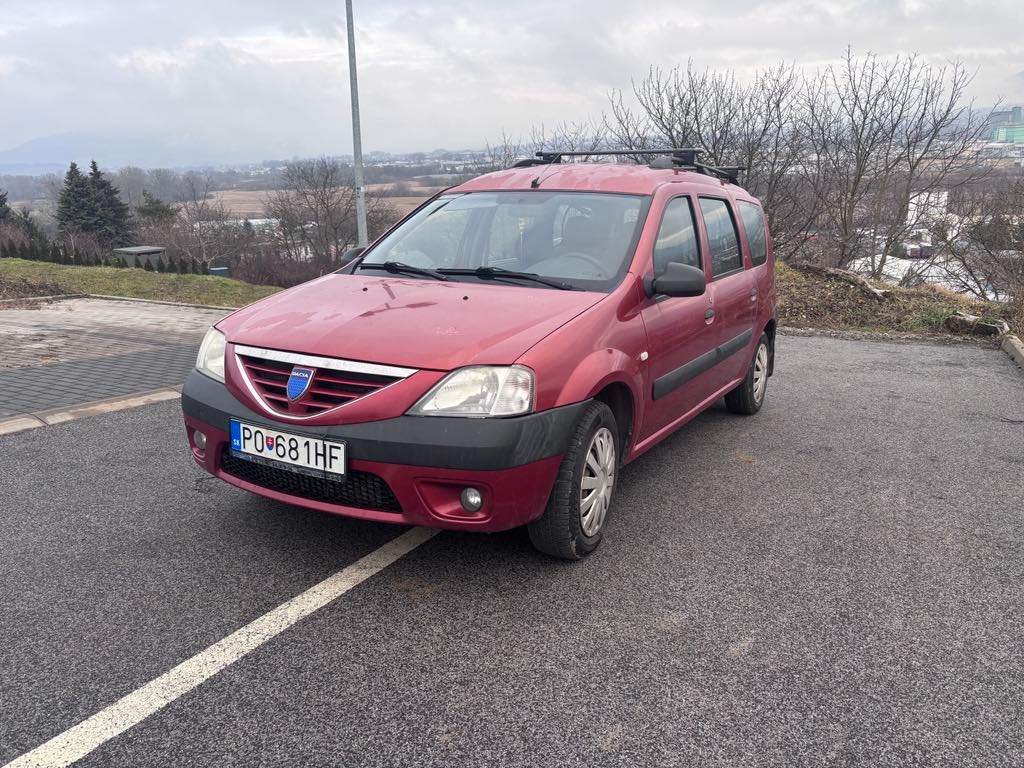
(492, 273)
(398, 267)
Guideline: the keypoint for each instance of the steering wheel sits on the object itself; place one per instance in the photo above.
(602, 273)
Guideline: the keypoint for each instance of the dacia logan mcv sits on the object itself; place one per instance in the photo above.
(496, 357)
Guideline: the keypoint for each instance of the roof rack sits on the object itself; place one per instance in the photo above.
(683, 158)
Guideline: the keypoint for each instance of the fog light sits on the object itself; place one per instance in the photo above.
(471, 499)
(199, 439)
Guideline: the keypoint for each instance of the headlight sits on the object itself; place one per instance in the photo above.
(211, 355)
(480, 391)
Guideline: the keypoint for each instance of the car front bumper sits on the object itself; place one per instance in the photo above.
(408, 470)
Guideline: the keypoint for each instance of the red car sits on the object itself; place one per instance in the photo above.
(496, 357)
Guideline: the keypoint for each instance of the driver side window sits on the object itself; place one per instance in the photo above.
(677, 237)
(509, 238)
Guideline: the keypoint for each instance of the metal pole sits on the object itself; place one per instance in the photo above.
(357, 139)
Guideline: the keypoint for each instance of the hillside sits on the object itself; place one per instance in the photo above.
(807, 300)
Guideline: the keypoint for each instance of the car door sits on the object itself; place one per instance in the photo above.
(679, 330)
(732, 290)
(759, 248)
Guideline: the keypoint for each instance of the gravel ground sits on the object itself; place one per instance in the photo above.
(836, 581)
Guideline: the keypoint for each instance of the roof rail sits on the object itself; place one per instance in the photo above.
(683, 158)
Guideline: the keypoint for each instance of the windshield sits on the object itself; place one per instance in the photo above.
(582, 239)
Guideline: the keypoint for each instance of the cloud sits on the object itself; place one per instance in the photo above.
(261, 78)
(9, 64)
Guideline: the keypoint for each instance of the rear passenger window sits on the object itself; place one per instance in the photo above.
(677, 237)
(722, 238)
(753, 224)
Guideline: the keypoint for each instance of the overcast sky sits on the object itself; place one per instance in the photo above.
(268, 78)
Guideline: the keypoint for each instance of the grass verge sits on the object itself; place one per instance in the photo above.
(21, 279)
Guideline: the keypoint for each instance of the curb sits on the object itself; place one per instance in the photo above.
(23, 422)
(66, 296)
(1013, 347)
(60, 297)
(157, 301)
(944, 340)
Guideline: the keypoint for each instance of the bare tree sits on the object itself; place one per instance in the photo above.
(315, 207)
(882, 133)
(838, 159)
(586, 136)
(502, 154)
(566, 136)
(980, 240)
(130, 182)
(753, 125)
(203, 231)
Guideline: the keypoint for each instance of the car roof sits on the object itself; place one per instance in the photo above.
(593, 177)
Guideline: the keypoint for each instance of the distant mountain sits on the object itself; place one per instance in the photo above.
(52, 154)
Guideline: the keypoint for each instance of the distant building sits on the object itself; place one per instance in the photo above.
(1007, 126)
(1009, 134)
(139, 255)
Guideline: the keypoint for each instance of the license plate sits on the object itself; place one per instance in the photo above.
(307, 455)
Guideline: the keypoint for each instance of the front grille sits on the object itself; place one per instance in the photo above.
(364, 490)
(328, 389)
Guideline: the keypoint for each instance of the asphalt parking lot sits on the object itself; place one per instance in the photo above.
(836, 581)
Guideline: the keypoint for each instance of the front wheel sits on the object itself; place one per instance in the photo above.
(748, 397)
(574, 520)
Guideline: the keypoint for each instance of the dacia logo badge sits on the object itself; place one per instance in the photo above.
(299, 381)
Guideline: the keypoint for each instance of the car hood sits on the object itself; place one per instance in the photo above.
(416, 323)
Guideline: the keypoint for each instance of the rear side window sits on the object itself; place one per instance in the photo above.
(677, 237)
(722, 238)
(753, 224)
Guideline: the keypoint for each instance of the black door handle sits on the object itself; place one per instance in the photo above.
(709, 314)
(753, 292)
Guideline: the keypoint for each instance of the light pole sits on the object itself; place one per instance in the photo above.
(357, 139)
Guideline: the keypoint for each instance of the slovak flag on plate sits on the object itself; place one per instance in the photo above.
(270, 444)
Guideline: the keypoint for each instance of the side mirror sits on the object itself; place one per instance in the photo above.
(352, 254)
(677, 280)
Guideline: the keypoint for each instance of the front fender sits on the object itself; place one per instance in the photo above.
(596, 371)
(599, 370)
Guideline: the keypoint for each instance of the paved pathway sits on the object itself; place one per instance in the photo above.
(77, 351)
(44, 387)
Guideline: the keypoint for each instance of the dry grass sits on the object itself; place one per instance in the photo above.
(813, 301)
(23, 288)
(249, 204)
(244, 204)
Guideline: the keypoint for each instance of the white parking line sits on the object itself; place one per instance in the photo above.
(79, 740)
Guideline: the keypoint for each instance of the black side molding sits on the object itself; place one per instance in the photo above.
(672, 380)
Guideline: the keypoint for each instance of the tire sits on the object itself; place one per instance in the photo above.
(748, 397)
(566, 530)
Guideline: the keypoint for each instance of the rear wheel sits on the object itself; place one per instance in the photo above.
(748, 397)
(573, 522)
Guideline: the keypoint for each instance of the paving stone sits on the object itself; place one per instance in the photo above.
(80, 329)
(39, 388)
